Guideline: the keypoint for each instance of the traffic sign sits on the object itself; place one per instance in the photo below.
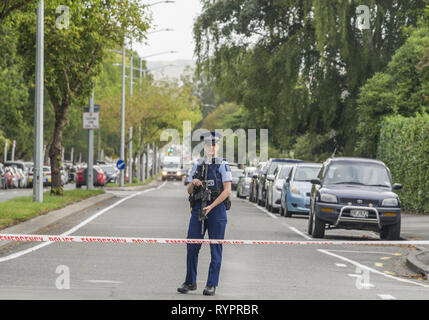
(91, 120)
(96, 108)
(120, 164)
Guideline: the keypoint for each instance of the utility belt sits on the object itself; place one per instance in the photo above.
(209, 196)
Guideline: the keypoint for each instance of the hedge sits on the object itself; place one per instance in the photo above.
(404, 148)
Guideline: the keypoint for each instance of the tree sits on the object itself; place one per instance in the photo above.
(74, 54)
(13, 94)
(297, 65)
(8, 6)
(401, 90)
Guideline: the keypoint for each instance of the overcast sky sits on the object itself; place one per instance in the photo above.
(179, 16)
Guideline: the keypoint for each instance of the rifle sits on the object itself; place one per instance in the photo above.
(202, 193)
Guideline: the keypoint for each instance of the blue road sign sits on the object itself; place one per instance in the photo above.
(120, 164)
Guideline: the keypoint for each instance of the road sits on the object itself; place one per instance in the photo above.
(131, 271)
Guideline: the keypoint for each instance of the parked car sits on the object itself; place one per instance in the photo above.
(99, 178)
(253, 187)
(269, 169)
(23, 178)
(22, 175)
(4, 177)
(275, 187)
(111, 174)
(47, 176)
(354, 193)
(236, 173)
(243, 186)
(296, 191)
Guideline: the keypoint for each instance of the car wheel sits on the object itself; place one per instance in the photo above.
(281, 211)
(393, 232)
(318, 228)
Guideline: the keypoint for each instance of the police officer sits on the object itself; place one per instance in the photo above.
(219, 179)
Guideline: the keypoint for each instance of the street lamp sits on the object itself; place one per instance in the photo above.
(38, 121)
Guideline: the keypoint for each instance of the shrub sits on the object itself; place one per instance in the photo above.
(404, 147)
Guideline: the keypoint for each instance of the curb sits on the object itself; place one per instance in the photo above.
(38, 223)
(416, 265)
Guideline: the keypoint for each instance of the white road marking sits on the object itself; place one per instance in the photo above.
(341, 265)
(75, 228)
(369, 252)
(104, 281)
(386, 297)
(357, 264)
(362, 284)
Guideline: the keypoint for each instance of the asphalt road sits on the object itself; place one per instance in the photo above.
(131, 271)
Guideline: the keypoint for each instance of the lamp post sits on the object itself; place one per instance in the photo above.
(38, 123)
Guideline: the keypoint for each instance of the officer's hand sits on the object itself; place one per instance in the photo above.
(197, 183)
(208, 209)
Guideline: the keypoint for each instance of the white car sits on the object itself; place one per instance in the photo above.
(274, 190)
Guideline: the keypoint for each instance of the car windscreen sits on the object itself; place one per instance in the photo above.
(171, 166)
(368, 174)
(274, 166)
(306, 173)
(284, 172)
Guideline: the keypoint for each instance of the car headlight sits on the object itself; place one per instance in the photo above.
(330, 198)
(164, 173)
(294, 190)
(178, 173)
(391, 202)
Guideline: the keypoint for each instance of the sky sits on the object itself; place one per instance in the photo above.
(179, 16)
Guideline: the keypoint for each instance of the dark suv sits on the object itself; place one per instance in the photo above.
(354, 193)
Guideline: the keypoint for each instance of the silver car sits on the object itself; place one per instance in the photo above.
(274, 190)
(236, 173)
(243, 187)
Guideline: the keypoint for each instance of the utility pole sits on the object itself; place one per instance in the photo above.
(72, 154)
(90, 175)
(153, 159)
(147, 163)
(121, 183)
(99, 145)
(6, 142)
(38, 121)
(13, 150)
(130, 164)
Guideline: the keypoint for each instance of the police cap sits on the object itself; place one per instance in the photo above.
(211, 137)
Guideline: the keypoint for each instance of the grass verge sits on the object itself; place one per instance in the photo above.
(21, 209)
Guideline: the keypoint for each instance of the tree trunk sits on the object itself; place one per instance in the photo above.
(61, 116)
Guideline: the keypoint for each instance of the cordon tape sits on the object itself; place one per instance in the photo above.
(119, 240)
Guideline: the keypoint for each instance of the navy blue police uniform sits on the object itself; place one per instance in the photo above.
(218, 172)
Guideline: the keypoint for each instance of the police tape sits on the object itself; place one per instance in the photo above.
(135, 240)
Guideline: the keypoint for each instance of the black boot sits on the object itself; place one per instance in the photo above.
(185, 288)
(209, 291)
